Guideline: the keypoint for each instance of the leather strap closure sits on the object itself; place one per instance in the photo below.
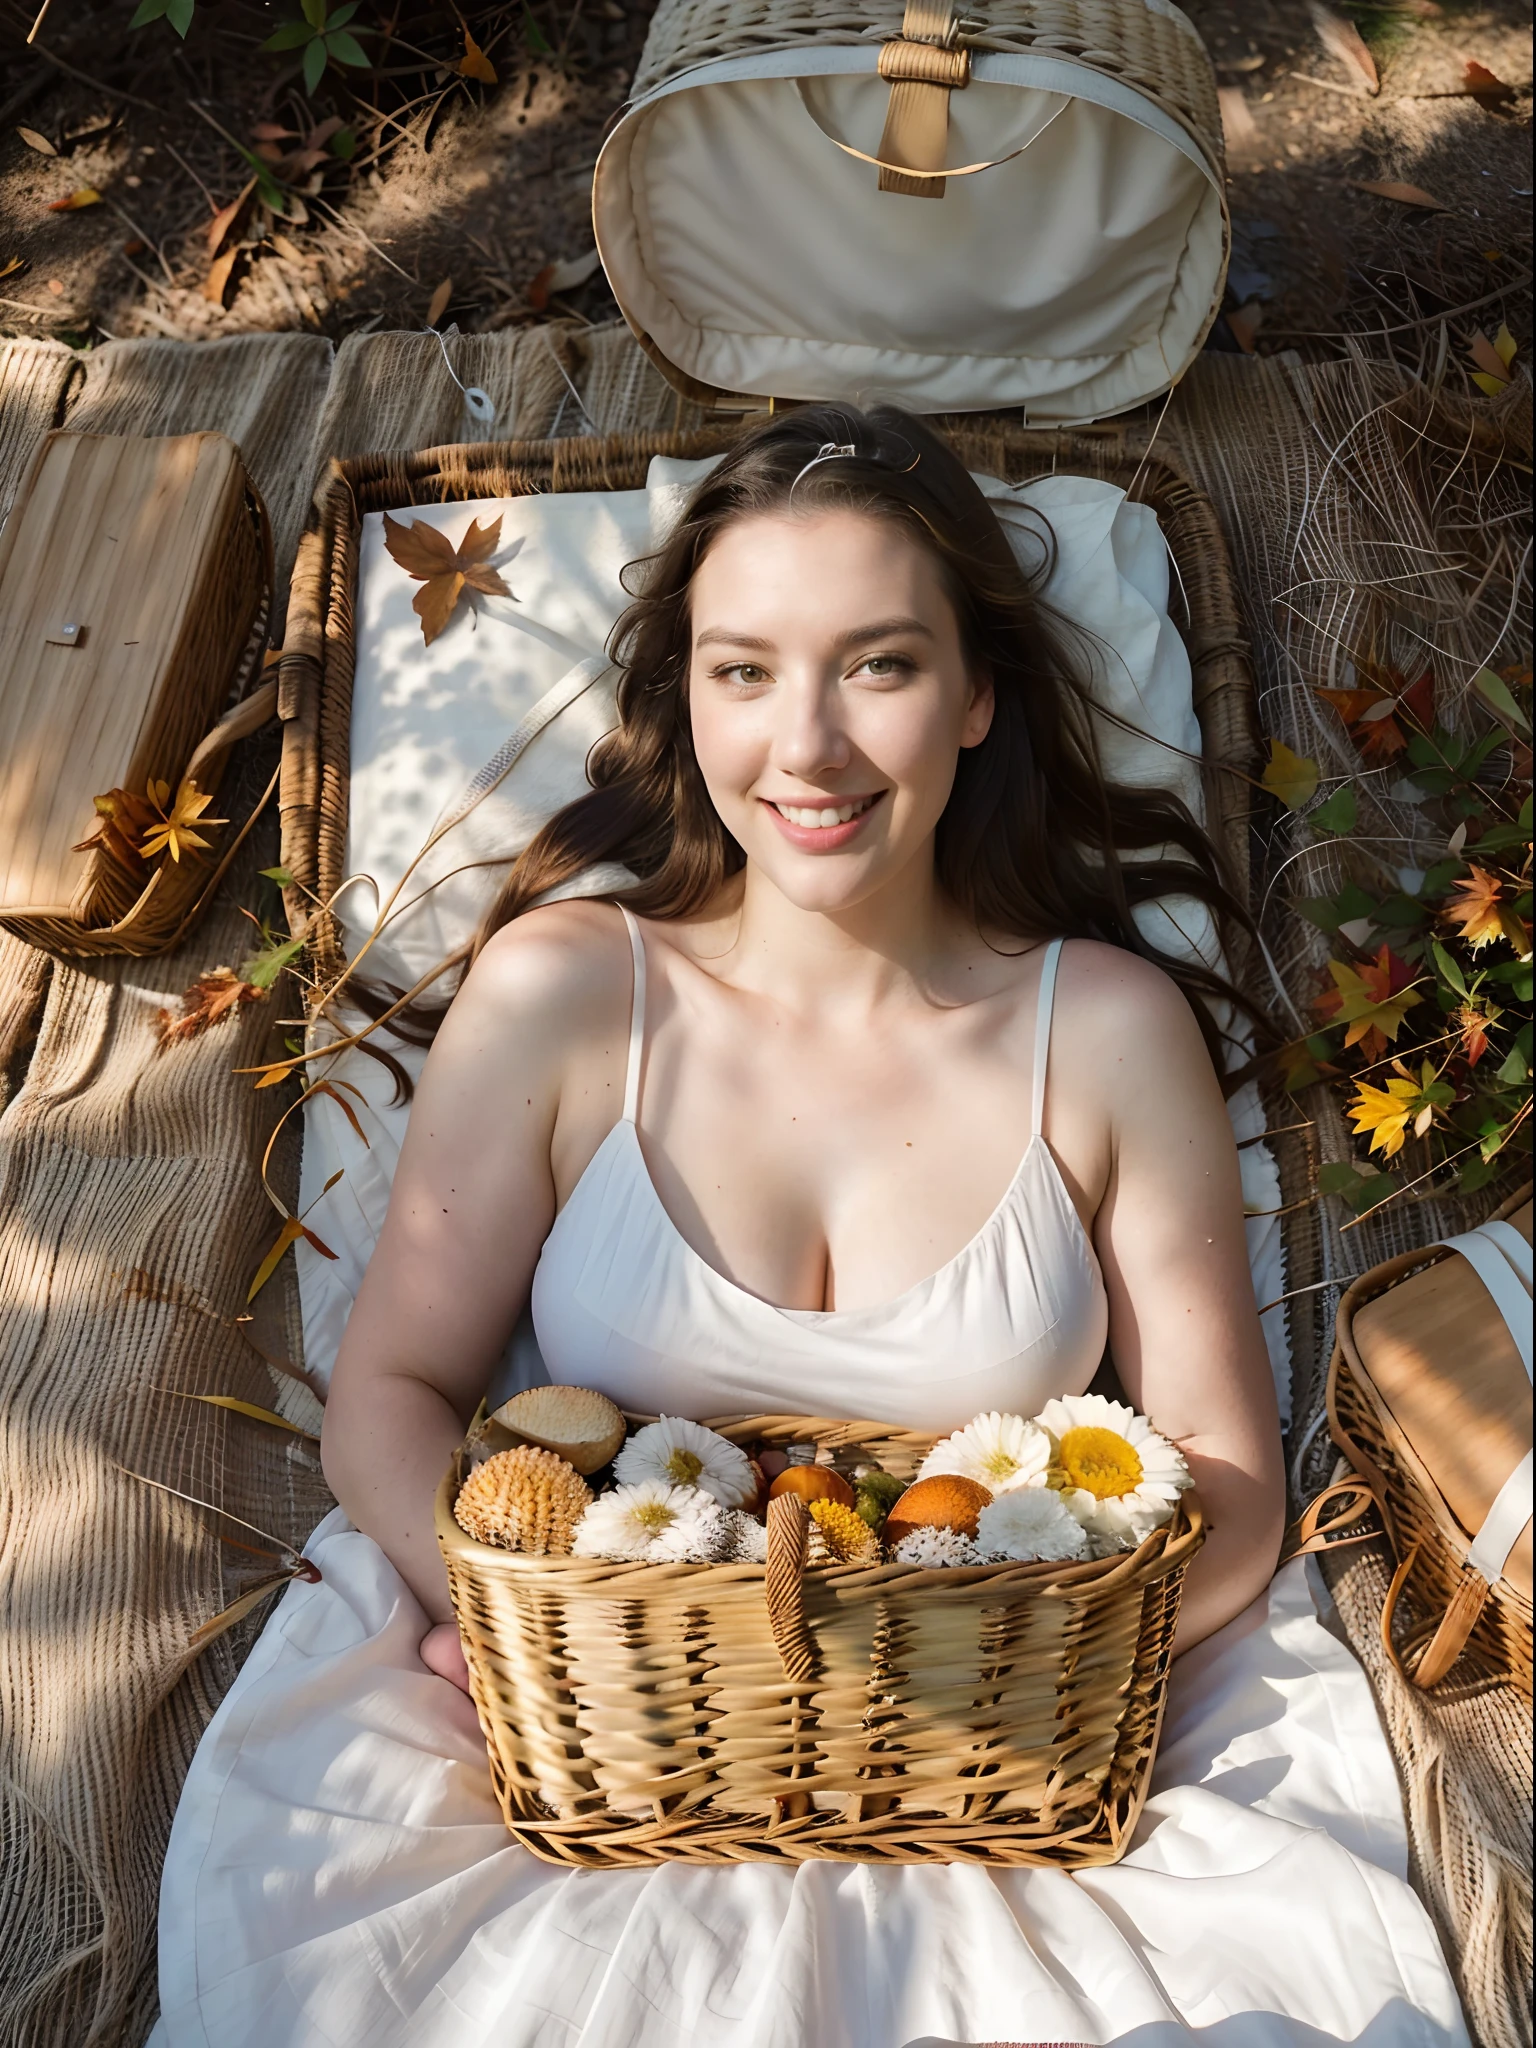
(923, 67)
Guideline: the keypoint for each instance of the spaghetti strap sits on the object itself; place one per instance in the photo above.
(1043, 1005)
(636, 1018)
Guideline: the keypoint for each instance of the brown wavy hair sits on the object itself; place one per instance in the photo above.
(1035, 842)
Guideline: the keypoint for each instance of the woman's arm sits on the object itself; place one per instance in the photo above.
(1183, 1330)
(473, 1199)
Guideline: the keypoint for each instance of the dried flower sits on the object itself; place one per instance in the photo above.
(523, 1499)
(677, 1452)
(652, 1522)
(875, 1493)
(928, 1548)
(840, 1535)
(999, 1452)
(1031, 1525)
(746, 1538)
(1112, 1469)
(173, 829)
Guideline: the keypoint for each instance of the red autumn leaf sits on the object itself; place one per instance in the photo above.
(1363, 997)
(538, 291)
(211, 996)
(1485, 86)
(1473, 1025)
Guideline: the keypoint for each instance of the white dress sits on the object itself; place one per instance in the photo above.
(338, 1875)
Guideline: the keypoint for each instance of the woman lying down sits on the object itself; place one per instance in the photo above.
(866, 1100)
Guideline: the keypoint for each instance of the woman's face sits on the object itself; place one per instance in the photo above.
(830, 699)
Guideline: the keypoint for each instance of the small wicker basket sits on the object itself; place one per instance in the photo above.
(639, 1713)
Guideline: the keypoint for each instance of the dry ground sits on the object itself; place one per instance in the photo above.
(467, 191)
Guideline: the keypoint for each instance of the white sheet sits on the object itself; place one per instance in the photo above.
(426, 721)
(338, 1877)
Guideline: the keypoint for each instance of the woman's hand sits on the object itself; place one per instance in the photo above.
(443, 1654)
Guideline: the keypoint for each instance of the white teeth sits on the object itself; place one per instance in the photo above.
(803, 815)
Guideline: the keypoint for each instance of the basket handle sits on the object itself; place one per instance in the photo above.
(1450, 1637)
(1311, 1532)
(903, 177)
(789, 1524)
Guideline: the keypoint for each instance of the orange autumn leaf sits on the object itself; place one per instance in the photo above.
(1475, 912)
(1474, 1024)
(332, 1089)
(1372, 1001)
(72, 203)
(293, 1229)
(474, 63)
(444, 571)
(172, 829)
(210, 997)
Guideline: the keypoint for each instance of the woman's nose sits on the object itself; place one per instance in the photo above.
(809, 739)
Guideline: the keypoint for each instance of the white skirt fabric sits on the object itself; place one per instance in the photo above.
(338, 1877)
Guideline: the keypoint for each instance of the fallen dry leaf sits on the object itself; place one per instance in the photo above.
(290, 253)
(122, 819)
(443, 571)
(538, 291)
(38, 142)
(226, 216)
(1289, 776)
(1405, 195)
(331, 1089)
(474, 63)
(211, 996)
(1476, 912)
(1494, 360)
(437, 306)
(1372, 1000)
(216, 283)
(87, 195)
(1485, 86)
(1342, 40)
(11, 266)
(1245, 322)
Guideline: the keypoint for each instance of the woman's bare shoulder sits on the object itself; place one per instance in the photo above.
(1124, 1016)
(562, 971)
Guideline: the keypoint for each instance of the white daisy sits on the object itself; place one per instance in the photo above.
(1000, 1452)
(931, 1547)
(1112, 1469)
(682, 1453)
(1032, 1524)
(653, 1523)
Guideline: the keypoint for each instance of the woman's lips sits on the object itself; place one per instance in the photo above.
(803, 827)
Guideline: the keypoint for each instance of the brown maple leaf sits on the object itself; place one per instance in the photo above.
(443, 571)
(210, 997)
(122, 819)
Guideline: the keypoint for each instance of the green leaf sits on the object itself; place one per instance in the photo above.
(1499, 836)
(1367, 1193)
(534, 36)
(1517, 977)
(1338, 1177)
(1400, 910)
(179, 15)
(314, 63)
(346, 49)
(288, 37)
(1448, 969)
(1475, 1174)
(281, 876)
(147, 11)
(1319, 910)
(263, 968)
(343, 144)
(340, 16)
(1496, 694)
(1516, 1069)
(314, 14)
(1339, 814)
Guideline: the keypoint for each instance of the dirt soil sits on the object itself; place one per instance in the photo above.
(405, 191)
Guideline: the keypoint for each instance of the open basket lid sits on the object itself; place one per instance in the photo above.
(1021, 208)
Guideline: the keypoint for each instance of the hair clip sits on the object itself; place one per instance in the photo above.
(829, 451)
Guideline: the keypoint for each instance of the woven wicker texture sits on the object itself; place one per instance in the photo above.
(35, 377)
(319, 653)
(774, 1713)
(1159, 53)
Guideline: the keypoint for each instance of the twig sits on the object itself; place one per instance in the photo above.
(37, 312)
(1403, 326)
(349, 227)
(113, 92)
(1327, 85)
(172, 150)
(37, 24)
(147, 240)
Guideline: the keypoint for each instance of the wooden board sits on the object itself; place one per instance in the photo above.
(125, 539)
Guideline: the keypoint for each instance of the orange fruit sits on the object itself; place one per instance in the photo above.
(944, 1502)
(813, 1482)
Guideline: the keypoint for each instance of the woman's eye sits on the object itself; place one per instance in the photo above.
(746, 672)
(883, 665)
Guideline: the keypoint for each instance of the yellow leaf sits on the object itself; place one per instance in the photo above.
(1492, 386)
(475, 64)
(290, 1233)
(1381, 1114)
(1290, 777)
(237, 1610)
(173, 831)
(438, 305)
(86, 196)
(1505, 346)
(1404, 195)
(248, 1408)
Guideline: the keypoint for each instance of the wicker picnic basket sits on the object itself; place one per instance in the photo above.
(1429, 1399)
(779, 1713)
(135, 584)
(315, 677)
(759, 203)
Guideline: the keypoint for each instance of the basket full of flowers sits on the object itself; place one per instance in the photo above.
(779, 1637)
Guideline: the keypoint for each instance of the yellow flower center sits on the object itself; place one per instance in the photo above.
(683, 1467)
(999, 1464)
(654, 1515)
(843, 1529)
(1100, 1461)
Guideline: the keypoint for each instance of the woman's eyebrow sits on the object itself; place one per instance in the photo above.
(880, 629)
